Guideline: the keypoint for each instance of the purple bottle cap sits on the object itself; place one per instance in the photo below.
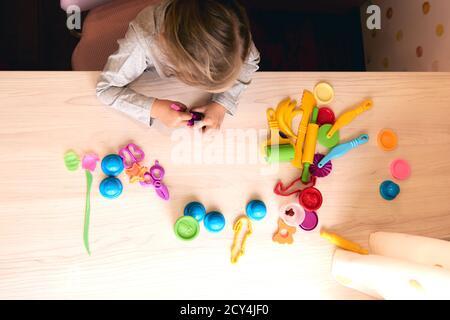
(310, 222)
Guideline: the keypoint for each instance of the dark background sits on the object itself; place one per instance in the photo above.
(297, 35)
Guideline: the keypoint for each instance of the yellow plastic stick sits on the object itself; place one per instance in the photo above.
(308, 103)
(238, 251)
(310, 143)
(348, 117)
(343, 243)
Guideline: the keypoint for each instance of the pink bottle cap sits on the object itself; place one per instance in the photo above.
(400, 169)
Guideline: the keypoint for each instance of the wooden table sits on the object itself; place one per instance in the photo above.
(134, 251)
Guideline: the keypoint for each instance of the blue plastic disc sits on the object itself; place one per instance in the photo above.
(112, 165)
(195, 210)
(214, 222)
(389, 190)
(111, 188)
(256, 210)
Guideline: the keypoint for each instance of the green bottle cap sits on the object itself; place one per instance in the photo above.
(186, 228)
(323, 139)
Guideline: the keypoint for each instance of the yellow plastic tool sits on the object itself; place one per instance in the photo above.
(309, 150)
(285, 113)
(237, 251)
(343, 243)
(308, 103)
(348, 117)
(274, 135)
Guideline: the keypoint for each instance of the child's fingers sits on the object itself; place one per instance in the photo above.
(185, 116)
(199, 109)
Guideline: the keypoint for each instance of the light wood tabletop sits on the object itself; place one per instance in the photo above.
(135, 254)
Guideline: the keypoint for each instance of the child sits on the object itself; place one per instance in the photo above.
(204, 43)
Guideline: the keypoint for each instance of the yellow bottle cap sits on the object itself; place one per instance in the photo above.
(324, 93)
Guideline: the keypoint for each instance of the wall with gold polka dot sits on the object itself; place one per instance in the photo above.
(414, 36)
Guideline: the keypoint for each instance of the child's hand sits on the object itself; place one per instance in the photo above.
(214, 114)
(162, 111)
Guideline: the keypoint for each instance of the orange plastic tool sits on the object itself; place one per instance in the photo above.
(284, 234)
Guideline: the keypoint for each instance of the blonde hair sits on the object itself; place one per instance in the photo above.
(205, 41)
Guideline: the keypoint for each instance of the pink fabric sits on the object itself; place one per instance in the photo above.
(102, 27)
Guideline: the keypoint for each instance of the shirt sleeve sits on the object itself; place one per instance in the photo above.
(230, 98)
(123, 67)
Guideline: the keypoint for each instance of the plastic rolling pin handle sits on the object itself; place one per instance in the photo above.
(342, 149)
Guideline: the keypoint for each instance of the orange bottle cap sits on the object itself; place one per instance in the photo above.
(387, 140)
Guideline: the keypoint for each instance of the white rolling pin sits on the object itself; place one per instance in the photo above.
(429, 251)
(389, 278)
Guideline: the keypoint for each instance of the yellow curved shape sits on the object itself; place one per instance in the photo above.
(284, 116)
(236, 250)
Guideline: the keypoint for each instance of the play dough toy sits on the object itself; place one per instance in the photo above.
(323, 136)
(320, 172)
(389, 190)
(90, 162)
(309, 150)
(310, 222)
(214, 222)
(280, 153)
(349, 116)
(136, 173)
(292, 214)
(111, 188)
(131, 154)
(112, 165)
(71, 160)
(256, 210)
(387, 140)
(343, 243)
(284, 233)
(154, 178)
(242, 226)
(400, 169)
(325, 116)
(324, 93)
(285, 113)
(310, 199)
(186, 228)
(308, 103)
(195, 210)
(343, 149)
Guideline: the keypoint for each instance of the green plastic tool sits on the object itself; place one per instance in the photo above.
(87, 211)
(323, 139)
(71, 160)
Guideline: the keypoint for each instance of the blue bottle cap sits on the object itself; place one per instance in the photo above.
(389, 190)
(111, 188)
(214, 222)
(256, 210)
(112, 165)
(195, 210)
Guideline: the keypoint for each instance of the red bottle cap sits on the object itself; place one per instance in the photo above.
(310, 199)
(326, 116)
